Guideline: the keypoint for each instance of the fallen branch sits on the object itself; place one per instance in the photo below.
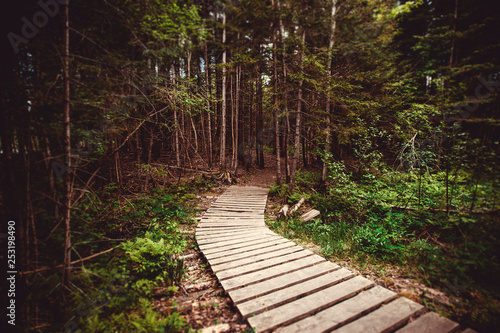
(297, 205)
(71, 263)
(284, 210)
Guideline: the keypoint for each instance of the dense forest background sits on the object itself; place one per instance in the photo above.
(383, 114)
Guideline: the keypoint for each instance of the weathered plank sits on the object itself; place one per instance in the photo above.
(294, 292)
(230, 223)
(256, 266)
(254, 259)
(431, 323)
(225, 230)
(308, 305)
(249, 247)
(235, 242)
(251, 253)
(310, 215)
(235, 209)
(239, 245)
(386, 319)
(280, 282)
(343, 312)
(264, 274)
(207, 239)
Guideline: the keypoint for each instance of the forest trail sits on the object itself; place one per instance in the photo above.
(279, 286)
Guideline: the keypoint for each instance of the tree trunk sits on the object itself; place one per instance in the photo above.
(236, 117)
(285, 99)
(259, 124)
(296, 146)
(453, 38)
(209, 117)
(66, 276)
(176, 127)
(329, 107)
(275, 100)
(224, 101)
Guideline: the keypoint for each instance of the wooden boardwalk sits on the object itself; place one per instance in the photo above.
(279, 286)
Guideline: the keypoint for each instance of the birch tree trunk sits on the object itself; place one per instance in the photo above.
(329, 107)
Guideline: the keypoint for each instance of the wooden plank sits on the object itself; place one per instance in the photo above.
(247, 197)
(386, 319)
(258, 245)
(231, 220)
(343, 312)
(230, 223)
(242, 245)
(431, 323)
(224, 230)
(303, 307)
(243, 198)
(233, 214)
(236, 209)
(286, 295)
(207, 239)
(252, 253)
(265, 274)
(250, 268)
(237, 204)
(280, 282)
(254, 259)
(233, 242)
(207, 224)
(259, 209)
(212, 238)
(310, 215)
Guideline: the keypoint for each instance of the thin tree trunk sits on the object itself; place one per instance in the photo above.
(233, 147)
(150, 149)
(329, 107)
(224, 101)
(296, 146)
(66, 276)
(176, 126)
(453, 38)
(117, 165)
(275, 100)
(259, 124)
(285, 99)
(209, 116)
(236, 120)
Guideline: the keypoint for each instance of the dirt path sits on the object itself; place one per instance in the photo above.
(261, 177)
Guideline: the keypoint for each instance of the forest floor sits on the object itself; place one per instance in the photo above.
(206, 307)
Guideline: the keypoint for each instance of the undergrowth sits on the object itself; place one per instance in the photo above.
(397, 219)
(115, 292)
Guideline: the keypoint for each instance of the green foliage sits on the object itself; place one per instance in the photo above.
(154, 259)
(400, 218)
(116, 292)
